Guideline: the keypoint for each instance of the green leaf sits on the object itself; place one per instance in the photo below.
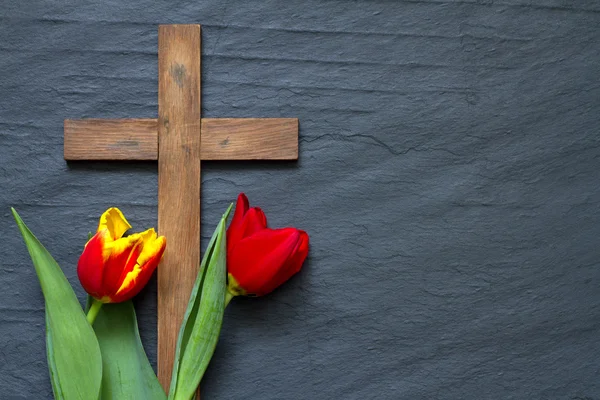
(52, 364)
(73, 352)
(203, 318)
(126, 371)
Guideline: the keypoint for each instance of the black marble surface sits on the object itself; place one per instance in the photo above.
(448, 177)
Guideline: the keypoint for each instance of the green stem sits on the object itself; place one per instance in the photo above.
(93, 312)
(228, 297)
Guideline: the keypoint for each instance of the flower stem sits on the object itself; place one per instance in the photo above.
(228, 297)
(93, 311)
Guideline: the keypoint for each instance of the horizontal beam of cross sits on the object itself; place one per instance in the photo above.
(222, 139)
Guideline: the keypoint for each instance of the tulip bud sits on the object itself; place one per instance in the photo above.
(260, 259)
(113, 268)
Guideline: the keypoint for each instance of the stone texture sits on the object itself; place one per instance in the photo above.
(448, 177)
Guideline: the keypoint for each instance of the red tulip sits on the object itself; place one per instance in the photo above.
(113, 268)
(260, 259)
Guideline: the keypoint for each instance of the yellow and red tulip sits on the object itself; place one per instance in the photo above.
(113, 268)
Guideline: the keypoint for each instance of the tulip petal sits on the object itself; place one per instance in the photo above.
(257, 259)
(254, 221)
(129, 282)
(235, 231)
(116, 223)
(139, 276)
(152, 245)
(91, 265)
(122, 258)
(293, 264)
(241, 208)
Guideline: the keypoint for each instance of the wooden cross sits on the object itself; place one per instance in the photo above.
(179, 139)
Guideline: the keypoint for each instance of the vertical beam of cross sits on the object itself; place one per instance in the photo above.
(179, 139)
(178, 180)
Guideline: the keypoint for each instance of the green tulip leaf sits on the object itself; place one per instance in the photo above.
(52, 364)
(73, 352)
(203, 318)
(126, 371)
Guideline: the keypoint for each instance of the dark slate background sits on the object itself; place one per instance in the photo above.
(448, 177)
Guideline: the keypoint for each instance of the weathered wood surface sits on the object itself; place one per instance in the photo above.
(448, 176)
(222, 139)
(111, 139)
(178, 181)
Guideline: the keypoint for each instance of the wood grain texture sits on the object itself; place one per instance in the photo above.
(222, 139)
(250, 139)
(111, 139)
(178, 181)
